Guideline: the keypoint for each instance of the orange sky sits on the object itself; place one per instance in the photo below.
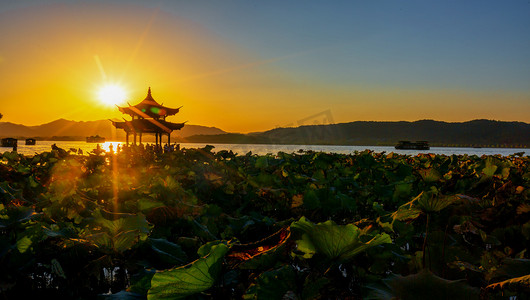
(49, 69)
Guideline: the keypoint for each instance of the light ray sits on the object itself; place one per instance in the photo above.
(100, 67)
(252, 64)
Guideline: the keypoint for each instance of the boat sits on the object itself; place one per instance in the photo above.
(30, 141)
(408, 145)
(95, 139)
(9, 142)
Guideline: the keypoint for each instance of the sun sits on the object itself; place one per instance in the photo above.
(111, 94)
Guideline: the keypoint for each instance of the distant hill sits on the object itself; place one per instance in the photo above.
(66, 129)
(484, 133)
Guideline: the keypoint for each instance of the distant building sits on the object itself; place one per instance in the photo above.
(148, 116)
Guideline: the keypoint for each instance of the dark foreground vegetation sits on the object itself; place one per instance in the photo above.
(205, 225)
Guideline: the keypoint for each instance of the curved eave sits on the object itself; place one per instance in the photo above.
(147, 125)
(152, 111)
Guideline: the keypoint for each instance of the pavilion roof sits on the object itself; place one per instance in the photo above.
(148, 108)
(147, 125)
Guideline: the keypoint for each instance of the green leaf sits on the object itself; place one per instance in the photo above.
(65, 232)
(262, 162)
(490, 168)
(430, 202)
(311, 200)
(141, 282)
(168, 251)
(407, 211)
(207, 248)
(127, 222)
(13, 215)
(430, 175)
(402, 189)
(57, 269)
(147, 204)
(124, 240)
(334, 241)
(23, 244)
(117, 235)
(190, 279)
(512, 267)
(313, 286)
(273, 284)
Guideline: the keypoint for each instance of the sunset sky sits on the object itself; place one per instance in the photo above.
(248, 66)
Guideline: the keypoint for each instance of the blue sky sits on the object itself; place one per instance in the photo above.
(384, 53)
(456, 44)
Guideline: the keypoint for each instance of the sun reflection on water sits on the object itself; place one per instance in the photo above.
(107, 146)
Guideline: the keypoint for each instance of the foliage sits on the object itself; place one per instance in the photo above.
(203, 224)
(335, 242)
(188, 280)
(417, 286)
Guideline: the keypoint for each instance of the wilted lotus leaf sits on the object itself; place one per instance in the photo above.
(521, 284)
(424, 285)
(523, 208)
(341, 242)
(465, 227)
(248, 253)
(190, 279)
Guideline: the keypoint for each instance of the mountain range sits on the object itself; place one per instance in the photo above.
(66, 129)
(483, 133)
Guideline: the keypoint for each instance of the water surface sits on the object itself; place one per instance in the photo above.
(261, 149)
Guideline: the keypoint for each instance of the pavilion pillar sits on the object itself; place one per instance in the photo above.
(140, 137)
(156, 138)
(135, 138)
(127, 138)
(168, 138)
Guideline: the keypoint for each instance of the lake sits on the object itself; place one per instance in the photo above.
(242, 149)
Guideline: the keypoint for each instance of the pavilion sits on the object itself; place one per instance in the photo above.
(148, 116)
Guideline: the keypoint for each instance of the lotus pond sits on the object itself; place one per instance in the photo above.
(200, 224)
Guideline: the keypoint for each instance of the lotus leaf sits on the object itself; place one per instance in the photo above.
(23, 244)
(275, 284)
(117, 235)
(13, 215)
(430, 202)
(168, 251)
(430, 175)
(190, 279)
(518, 284)
(335, 242)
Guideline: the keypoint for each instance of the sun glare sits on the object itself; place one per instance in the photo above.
(111, 94)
